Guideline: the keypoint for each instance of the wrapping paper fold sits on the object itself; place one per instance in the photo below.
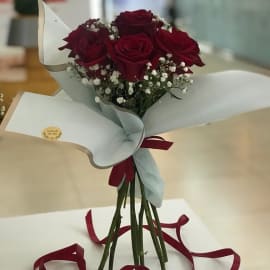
(111, 134)
(211, 98)
(105, 141)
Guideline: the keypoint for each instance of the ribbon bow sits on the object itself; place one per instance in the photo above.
(125, 169)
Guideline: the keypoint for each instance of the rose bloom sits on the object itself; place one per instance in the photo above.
(134, 22)
(130, 54)
(180, 45)
(87, 46)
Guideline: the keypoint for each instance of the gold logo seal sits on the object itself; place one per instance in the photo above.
(52, 133)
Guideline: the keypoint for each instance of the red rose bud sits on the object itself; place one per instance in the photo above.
(71, 39)
(130, 55)
(182, 47)
(134, 22)
(87, 44)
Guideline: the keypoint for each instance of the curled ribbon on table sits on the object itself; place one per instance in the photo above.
(178, 244)
(75, 253)
(126, 167)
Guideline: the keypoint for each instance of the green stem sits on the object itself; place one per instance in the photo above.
(159, 231)
(134, 224)
(140, 230)
(114, 243)
(125, 200)
(117, 216)
(151, 225)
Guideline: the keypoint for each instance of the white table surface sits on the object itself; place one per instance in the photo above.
(25, 238)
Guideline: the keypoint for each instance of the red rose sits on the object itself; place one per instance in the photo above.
(88, 46)
(130, 55)
(134, 22)
(180, 45)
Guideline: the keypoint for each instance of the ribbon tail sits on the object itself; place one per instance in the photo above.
(177, 244)
(116, 176)
(73, 253)
(221, 253)
(120, 171)
(149, 174)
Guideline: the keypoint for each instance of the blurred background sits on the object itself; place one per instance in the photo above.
(222, 170)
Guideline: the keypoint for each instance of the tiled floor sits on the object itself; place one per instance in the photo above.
(222, 170)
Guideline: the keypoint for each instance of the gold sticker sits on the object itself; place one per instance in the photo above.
(52, 133)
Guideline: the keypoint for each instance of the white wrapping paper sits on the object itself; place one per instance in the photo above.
(106, 141)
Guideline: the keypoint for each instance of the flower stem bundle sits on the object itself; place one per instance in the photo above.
(148, 211)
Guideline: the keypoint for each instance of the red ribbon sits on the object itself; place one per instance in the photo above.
(126, 167)
(73, 253)
(121, 170)
(178, 244)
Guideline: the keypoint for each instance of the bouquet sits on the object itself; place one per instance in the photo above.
(123, 84)
(132, 62)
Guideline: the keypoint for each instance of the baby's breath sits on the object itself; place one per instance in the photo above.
(140, 95)
(165, 76)
(2, 106)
